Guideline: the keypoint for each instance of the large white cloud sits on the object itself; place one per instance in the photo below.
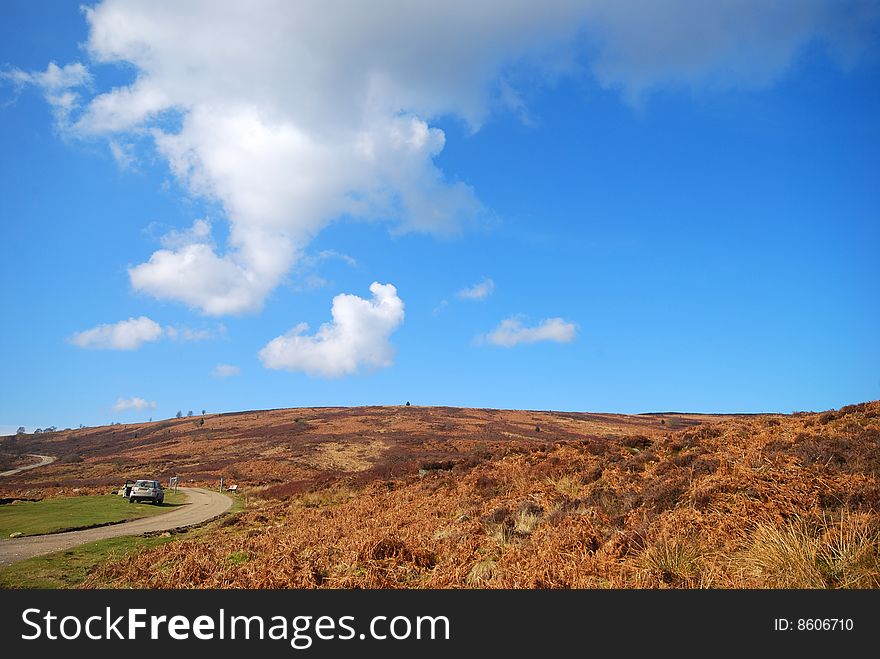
(358, 336)
(291, 114)
(511, 332)
(125, 335)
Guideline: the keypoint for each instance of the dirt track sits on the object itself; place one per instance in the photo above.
(44, 460)
(201, 506)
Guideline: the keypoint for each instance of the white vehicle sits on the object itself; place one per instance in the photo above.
(147, 491)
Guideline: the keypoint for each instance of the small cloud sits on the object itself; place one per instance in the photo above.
(357, 336)
(225, 371)
(123, 155)
(440, 307)
(479, 291)
(514, 102)
(56, 83)
(128, 334)
(511, 332)
(189, 334)
(333, 254)
(134, 403)
(311, 283)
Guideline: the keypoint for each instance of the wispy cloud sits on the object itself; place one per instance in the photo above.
(57, 84)
(190, 334)
(479, 291)
(306, 280)
(225, 371)
(326, 254)
(199, 233)
(134, 403)
(511, 332)
(123, 154)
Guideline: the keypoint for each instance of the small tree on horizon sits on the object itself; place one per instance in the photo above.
(179, 414)
(190, 413)
(21, 430)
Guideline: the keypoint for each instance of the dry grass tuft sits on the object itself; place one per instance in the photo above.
(676, 563)
(785, 556)
(824, 554)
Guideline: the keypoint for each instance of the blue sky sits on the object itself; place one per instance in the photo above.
(646, 218)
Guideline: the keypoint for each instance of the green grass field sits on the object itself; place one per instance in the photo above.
(54, 515)
(69, 568)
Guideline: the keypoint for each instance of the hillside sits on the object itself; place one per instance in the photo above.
(280, 452)
(450, 498)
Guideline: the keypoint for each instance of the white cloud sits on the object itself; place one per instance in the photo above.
(198, 234)
(311, 282)
(294, 114)
(307, 280)
(479, 291)
(189, 334)
(125, 335)
(57, 84)
(511, 332)
(358, 336)
(225, 371)
(123, 154)
(326, 254)
(131, 334)
(133, 403)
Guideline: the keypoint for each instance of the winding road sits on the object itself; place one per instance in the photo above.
(44, 460)
(201, 505)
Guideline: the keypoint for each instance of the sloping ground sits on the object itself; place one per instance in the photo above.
(296, 450)
(10, 460)
(758, 502)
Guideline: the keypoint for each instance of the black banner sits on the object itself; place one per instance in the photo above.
(434, 623)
